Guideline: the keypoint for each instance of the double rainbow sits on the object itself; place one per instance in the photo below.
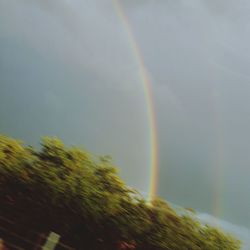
(153, 145)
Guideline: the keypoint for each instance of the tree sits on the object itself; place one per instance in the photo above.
(81, 197)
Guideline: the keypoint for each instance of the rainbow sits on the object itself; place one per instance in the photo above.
(153, 148)
(146, 84)
(219, 164)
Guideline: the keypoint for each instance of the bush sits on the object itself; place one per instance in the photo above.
(81, 197)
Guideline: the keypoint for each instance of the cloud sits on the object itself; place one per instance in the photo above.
(196, 51)
(85, 36)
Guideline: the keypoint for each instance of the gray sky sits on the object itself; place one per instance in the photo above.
(67, 69)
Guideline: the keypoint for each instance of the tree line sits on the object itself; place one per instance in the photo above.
(81, 197)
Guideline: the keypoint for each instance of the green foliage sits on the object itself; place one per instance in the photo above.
(82, 198)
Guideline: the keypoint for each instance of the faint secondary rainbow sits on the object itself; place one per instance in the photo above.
(219, 164)
(146, 82)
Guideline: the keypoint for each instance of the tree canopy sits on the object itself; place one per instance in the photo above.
(81, 197)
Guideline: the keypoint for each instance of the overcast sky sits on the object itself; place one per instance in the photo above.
(67, 69)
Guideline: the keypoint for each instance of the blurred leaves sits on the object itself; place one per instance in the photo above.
(83, 198)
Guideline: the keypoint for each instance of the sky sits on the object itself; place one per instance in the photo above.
(67, 69)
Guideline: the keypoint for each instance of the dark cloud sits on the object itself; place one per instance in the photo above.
(199, 51)
(68, 68)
